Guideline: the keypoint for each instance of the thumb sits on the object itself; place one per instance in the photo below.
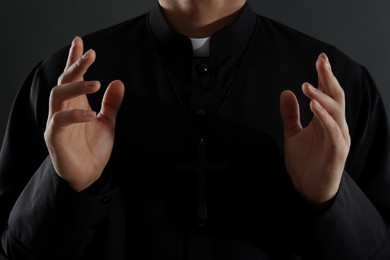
(112, 100)
(289, 110)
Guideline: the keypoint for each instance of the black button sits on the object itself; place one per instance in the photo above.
(106, 199)
(200, 113)
(98, 224)
(201, 223)
(202, 68)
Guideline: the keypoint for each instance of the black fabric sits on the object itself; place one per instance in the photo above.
(145, 207)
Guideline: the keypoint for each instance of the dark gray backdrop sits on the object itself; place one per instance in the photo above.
(32, 30)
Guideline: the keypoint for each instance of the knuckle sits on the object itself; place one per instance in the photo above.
(71, 72)
(77, 65)
(48, 135)
(338, 134)
(65, 77)
(55, 97)
(53, 94)
(55, 119)
(348, 141)
(61, 78)
(339, 109)
(338, 90)
(341, 93)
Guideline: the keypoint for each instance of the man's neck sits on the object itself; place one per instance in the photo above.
(200, 18)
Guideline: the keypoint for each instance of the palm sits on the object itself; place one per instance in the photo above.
(315, 155)
(85, 147)
(308, 156)
(79, 142)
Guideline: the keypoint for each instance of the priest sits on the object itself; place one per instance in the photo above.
(199, 130)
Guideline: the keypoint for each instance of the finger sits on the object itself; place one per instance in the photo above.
(66, 118)
(75, 52)
(59, 95)
(332, 107)
(289, 109)
(322, 64)
(112, 101)
(328, 83)
(330, 126)
(77, 69)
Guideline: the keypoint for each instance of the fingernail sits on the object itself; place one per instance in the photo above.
(317, 104)
(91, 84)
(85, 56)
(326, 57)
(74, 40)
(311, 88)
(89, 114)
(328, 66)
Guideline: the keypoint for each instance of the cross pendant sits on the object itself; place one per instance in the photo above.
(202, 167)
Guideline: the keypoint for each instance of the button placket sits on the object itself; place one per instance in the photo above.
(106, 199)
(202, 68)
(201, 93)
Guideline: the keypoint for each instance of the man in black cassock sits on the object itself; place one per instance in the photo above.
(209, 156)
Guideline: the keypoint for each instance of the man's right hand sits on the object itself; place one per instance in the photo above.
(79, 140)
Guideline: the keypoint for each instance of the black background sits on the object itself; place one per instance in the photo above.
(33, 30)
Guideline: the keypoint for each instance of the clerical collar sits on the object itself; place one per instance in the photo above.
(200, 47)
(232, 38)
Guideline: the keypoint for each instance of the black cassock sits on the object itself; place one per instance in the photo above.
(197, 170)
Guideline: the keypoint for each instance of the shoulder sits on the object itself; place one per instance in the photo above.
(129, 32)
(284, 36)
(107, 42)
(296, 53)
(299, 48)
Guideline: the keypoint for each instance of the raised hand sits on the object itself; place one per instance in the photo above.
(315, 155)
(79, 140)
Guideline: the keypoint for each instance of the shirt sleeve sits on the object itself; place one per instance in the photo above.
(41, 217)
(356, 225)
